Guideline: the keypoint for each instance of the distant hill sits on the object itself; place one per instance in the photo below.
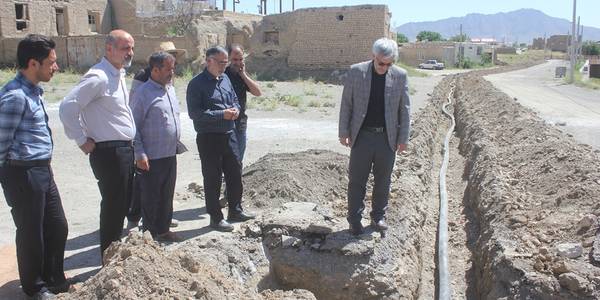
(517, 26)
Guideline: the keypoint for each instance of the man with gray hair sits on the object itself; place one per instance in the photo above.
(97, 116)
(156, 114)
(375, 123)
(213, 106)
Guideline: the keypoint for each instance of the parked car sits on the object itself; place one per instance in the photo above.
(432, 64)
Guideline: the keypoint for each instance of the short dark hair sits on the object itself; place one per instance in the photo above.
(212, 51)
(143, 74)
(33, 46)
(157, 59)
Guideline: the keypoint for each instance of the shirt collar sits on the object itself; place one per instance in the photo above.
(157, 85)
(32, 89)
(110, 68)
(210, 76)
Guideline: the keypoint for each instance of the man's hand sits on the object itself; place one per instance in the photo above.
(401, 147)
(242, 69)
(345, 141)
(231, 114)
(88, 147)
(143, 164)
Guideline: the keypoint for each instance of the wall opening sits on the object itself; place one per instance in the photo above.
(21, 16)
(93, 18)
(61, 21)
(340, 17)
(271, 37)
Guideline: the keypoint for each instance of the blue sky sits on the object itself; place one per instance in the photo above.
(429, 10)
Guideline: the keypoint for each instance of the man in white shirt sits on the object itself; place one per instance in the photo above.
(97, 116)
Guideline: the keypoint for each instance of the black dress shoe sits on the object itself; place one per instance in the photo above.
(379, 225)
(356, 229)
(58, 288)
(221, 225)
(240, 217)
(43, 295)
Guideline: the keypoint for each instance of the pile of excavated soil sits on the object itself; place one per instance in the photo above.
(316, 176)
(535, 192)
(222, 267)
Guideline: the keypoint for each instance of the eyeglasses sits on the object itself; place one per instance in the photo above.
(382, 64)
(222, 62)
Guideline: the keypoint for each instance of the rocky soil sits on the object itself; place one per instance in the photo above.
(523, 220)
(535, 193)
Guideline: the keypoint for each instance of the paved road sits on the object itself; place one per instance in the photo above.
(576, 110)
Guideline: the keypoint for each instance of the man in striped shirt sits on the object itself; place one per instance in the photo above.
(25, 174)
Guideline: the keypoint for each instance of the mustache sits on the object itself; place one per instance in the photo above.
(127, 62)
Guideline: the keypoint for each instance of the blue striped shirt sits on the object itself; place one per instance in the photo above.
(206, 98)
(24, 131)
(156, 114)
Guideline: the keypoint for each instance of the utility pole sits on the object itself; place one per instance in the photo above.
(577, 39)
(224, 5)
(280, 8)
(293, 6)
(573, 43)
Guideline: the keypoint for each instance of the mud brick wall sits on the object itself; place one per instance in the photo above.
(337, 37)
(41, 17)
(322, 38)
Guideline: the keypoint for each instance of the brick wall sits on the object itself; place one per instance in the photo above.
(43, 16)
(322, 38)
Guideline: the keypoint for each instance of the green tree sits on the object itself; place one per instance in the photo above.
(429, 36)
(401, 38)
(460, 38)
(590, 48)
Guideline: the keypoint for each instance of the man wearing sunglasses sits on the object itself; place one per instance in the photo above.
(375, 123)
(213, 106)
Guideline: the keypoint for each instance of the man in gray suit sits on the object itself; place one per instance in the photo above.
(375, 123)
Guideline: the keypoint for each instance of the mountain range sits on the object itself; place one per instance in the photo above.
(521, 26)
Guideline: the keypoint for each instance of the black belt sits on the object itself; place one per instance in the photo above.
(28, 163)
(373, 129)
(113, 144)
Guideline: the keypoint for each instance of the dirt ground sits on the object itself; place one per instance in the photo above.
(523, 217)
(280, 129)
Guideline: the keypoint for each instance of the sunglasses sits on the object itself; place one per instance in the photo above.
(382, 64)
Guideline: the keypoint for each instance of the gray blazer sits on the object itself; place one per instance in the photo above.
(355, 101)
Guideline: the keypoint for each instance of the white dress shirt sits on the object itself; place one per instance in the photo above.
(98, 107)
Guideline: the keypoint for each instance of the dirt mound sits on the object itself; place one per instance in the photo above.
(139, 269)
(219, 267)
(536, 193)
(317, 176)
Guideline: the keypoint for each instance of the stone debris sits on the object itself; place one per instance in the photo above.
(569, 250)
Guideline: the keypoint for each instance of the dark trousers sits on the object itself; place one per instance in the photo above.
(41, 225)
(218, 155)
(157, 187)
(370, 151)
(240, 134)
(135, 208)
(113, 168)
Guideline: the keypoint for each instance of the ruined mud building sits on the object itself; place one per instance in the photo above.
(327, 38)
